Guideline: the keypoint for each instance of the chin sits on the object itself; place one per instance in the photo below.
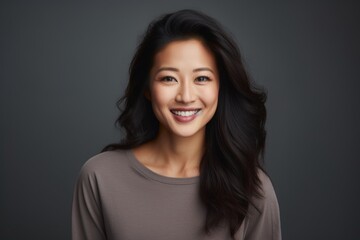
(186, 132)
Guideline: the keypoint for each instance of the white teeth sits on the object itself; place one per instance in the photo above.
(185, 113)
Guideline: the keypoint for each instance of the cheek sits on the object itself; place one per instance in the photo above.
(210, 96)
(160, 97)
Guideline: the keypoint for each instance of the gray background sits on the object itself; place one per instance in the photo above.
(64, 65)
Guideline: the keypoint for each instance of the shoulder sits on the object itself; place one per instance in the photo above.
(268, 201)
(263, 218)
(104, 162)
(267, 190)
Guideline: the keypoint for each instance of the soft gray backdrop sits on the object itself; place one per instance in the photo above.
(64, 65)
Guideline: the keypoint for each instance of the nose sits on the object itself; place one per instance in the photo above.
(185, 93)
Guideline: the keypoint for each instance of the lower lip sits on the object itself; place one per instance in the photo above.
(184, 119)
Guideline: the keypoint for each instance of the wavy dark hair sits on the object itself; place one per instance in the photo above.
(235, 136)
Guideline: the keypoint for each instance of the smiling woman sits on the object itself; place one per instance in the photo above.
(184, 88)
(189, 166)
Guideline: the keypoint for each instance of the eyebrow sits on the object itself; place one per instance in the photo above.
(177, 70)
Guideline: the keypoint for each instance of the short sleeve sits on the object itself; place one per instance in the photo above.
(263, 220)
(87, 220)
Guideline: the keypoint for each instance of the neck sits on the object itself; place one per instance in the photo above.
(176, 153)
(182, 147)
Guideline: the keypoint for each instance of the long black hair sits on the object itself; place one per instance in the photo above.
(235, 136)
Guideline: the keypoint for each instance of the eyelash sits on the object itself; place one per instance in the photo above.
(170, 79)
(167, 78)
(204, 77)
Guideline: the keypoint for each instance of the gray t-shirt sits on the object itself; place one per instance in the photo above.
(117, 198)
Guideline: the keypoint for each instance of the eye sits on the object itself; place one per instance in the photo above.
(202, 79)
(168, 79)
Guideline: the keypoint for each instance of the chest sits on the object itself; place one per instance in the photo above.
(152, 210)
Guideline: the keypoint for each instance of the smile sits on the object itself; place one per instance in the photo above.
(185, 113)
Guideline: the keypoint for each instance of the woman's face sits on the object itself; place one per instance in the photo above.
(184, 87)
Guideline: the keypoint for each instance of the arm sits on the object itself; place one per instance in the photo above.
(87, 219)
(263, 221)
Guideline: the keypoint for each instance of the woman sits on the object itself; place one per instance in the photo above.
(189, 165)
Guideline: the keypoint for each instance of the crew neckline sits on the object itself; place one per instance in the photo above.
(157, 177)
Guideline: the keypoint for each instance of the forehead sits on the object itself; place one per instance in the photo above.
(190, 52)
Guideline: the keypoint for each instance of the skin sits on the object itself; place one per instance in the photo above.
(184, 77)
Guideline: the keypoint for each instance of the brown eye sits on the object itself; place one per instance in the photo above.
(202, 79)
(168, 79)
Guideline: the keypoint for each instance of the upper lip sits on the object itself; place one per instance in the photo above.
(184, 109)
